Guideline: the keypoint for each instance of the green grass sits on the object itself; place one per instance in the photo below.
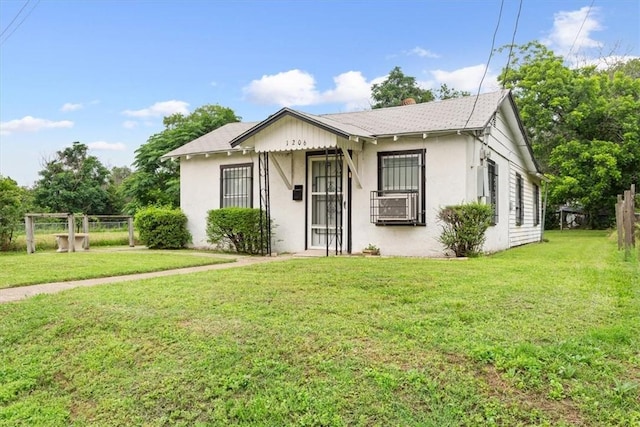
(547, 334)
(19, 269)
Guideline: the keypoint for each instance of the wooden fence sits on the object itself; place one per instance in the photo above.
(626, 220)
(29, 223)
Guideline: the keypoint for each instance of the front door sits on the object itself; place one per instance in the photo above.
(325, 203)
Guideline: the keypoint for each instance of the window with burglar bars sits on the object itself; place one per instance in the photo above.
(236, 186)
(400, 195)
(492, 170)
(519, 201)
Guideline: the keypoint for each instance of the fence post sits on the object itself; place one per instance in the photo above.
(72, 232)
(620, 221)
(28, 223)
(85, 230)
(628, 222)
(632, 212)
(130, 224)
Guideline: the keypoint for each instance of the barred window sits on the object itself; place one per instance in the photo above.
(492, 170)
(400, 195)
(519, 200)
(236, 186)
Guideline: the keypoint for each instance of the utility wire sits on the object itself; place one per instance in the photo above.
(493, 42)
(14, 18)
(513, 38)
(19, 23)
(580, 30)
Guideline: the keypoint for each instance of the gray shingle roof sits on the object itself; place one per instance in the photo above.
(471, 112)
(216, 140)
(450, 114)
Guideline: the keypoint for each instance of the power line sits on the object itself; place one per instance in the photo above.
(513, 38)
(19, 23)
(14, 18)
(580, 30)
(486, 69)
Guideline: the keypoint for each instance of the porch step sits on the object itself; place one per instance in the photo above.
(313, 253)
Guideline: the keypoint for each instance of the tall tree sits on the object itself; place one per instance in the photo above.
(115, 189)
(73, 181)
(13, 205)
(156, 181)
(396, 88)
(583, 123)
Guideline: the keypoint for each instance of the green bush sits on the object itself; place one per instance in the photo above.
(162, 228)
(237, 227)
(464, 227)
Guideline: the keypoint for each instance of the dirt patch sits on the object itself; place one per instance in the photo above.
(497, 386)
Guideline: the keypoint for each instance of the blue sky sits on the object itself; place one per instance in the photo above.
(105, 72)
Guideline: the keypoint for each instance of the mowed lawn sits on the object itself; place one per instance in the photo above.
(20, 269)
(547, 334)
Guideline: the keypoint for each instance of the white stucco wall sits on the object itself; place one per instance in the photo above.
(446, 183)
(200, 189)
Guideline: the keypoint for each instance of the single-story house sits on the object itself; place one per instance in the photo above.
(341, 182)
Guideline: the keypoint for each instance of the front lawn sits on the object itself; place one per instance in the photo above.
(547, 334)
(19, 269)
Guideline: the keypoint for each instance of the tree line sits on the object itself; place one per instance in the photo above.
(583, 124)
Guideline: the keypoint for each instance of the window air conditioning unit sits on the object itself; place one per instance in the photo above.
(397, 207)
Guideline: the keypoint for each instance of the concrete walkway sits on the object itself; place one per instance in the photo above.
(22, 292)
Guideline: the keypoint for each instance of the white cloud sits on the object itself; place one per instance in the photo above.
(573, 29)
(293, 87)
(352, 89)
(71, 107)
(129, 124)
(467, 78)
(606, 62)
(160, 109)
(296, 87)
(423, 53)
(32, 124)
(107, 146)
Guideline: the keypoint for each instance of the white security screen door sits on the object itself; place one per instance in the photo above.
(325, 210)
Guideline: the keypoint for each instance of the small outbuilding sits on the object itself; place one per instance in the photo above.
(341, 182)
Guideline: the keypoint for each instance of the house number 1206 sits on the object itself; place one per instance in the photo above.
(295, 142)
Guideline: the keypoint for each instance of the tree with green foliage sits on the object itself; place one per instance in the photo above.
(445, 92)
(583, 124)
(73, 181)
(157, 181)
(396, 88)
(117, 198)
(13, 205)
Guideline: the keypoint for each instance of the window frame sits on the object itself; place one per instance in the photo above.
(519, 200)
(248, 197)
(421, 183)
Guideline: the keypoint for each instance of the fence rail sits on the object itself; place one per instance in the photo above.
(68, 224)
(44, 227)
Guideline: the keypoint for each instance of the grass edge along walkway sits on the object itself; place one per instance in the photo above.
(22, 292)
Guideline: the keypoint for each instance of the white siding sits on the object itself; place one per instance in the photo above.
(508, 155)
